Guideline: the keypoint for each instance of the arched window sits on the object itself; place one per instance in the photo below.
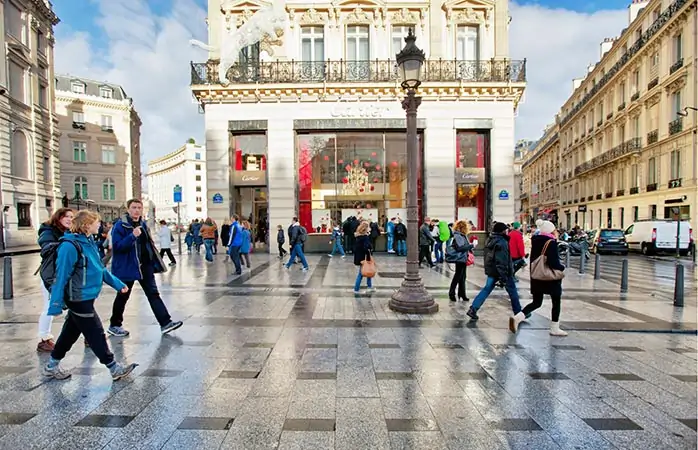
(19, 155)
(108, 189)
(81, 187)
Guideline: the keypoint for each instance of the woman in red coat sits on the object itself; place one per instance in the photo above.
(516, 248)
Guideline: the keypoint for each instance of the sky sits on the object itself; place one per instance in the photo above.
(144, 46)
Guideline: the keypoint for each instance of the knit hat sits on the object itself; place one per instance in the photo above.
(516, 225)
(499, 227)
(538, 222)
(546, 227)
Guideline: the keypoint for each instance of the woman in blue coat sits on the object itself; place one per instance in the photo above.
(246, 243)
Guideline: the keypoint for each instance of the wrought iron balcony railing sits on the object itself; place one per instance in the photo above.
(651, 187)
(599, 122)
(634, 190)
(652, 84)
(621, 107)
(590, 198)
(440, 70)
(608, 195)
(675, 183)
(630, 146)
(598, 196)
(636, 48)
(652, 137)
(609, 115)
(635, 96)
(620, 192)
(676, 66)
(676, 126)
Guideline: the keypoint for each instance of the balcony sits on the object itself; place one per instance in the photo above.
(377, 71)
(608, 195)
(591, 128)
(676, 66)
(79, 125)
(590, 198)
(598, 196)
(107, 128)
(675, 183)
(652, 137)
(620, 192)
(676, 126)
(652, 84)
(584, 133)
(621, 107)
(634, 190)
(609, 116)
(635, 96)
(651, 187)
(599, 122)
(626, 148)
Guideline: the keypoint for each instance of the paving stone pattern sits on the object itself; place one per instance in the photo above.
(286, 359)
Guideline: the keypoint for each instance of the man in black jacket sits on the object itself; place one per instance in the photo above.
(499, 268)
(426, 242)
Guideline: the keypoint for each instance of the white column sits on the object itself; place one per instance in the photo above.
(502, 168)
(282, 172)
(217, 163)
(439, 169)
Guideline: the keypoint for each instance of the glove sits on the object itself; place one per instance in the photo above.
(55, 309)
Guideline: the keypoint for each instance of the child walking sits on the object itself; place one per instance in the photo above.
(281, 239)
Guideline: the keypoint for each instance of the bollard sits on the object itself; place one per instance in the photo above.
(567, 259)
(7, 290)
(597, 266)
(582, 262)
(678, 286)
(624, 277)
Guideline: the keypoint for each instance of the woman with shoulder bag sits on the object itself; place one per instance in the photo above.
(362, 253)
(459, 252)
(546, 274)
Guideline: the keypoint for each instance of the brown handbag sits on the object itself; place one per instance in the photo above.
(540, 270)
(368, 267)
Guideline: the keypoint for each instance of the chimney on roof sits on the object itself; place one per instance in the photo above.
(634, 9)
(590, 68)
(606, 46)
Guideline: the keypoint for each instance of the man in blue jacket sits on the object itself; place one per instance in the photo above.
(136, 259)
(235, 243)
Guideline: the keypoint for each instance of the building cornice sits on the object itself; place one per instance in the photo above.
(93, 101)
(46, 10)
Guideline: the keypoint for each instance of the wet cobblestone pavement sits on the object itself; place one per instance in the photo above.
(293, 360)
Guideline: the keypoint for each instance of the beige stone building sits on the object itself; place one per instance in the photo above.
(627, 133)
(541, 178)
(99, 142)
(310, 123)
(29, 165)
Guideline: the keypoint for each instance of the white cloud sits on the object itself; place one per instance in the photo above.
(559, 44)
(149, 55)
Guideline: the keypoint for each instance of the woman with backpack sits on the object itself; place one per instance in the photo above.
(79, 278)
(362, 252)
(49, 233)
(458, 252)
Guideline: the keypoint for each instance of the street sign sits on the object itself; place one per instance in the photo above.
(177, 190)
(217, 198)
(503, 195)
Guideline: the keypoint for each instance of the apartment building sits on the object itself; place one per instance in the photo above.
(310, 123)
(627, 133)
(99, 142)
(29, 166)
(541, 178)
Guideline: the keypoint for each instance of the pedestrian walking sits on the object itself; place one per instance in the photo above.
(208, 234)
(458, 252)
(401, 238)
(297, 236)
(78, 282)
(362, 252)
(444, 235)
(246, 246)
(135, 259)
(426, 242)
(517, 248)
(225, 235)
(50, 232)
(438, 244)
(375, 233)
(498, 268)
(390, 234)
(166, 239)
(236, 236)
(545, 245)
(336, 241)
(280, 240)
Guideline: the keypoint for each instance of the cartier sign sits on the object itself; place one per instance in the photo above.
(366, 111)
(250, 178)
(470, 175)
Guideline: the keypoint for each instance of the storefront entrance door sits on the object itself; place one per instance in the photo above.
(251, 204)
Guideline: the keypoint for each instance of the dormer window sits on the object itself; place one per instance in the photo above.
(77, 87)
(106, 92)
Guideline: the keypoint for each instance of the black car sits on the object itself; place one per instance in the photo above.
(610, 240)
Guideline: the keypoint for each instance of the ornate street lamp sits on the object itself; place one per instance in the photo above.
(412, 297)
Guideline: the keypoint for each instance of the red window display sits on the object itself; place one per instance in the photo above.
(472, 158)
(249, 152)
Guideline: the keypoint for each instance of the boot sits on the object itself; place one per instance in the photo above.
(555, 329)
(515, 321)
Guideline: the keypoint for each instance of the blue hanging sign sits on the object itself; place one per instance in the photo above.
(217, 198)
(503, 195)
(177, 191)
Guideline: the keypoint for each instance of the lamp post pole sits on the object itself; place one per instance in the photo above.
(412, 297)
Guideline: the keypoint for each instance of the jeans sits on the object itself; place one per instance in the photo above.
(359, 277)
(538, 301)
(439, 251)
(45, 320)
(150, 288)
(402, 247)
(425, 253)
(168, 252)
(83, 319)
(458, 281)
(509, 285)
(297, 251)
(390, 242)
(208, 243)
(235, 256)
(337, 247)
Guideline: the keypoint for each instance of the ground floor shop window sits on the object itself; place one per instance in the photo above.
(472, 156)
(352, 173)
(684, 211)
(471, 204)
(24, 215)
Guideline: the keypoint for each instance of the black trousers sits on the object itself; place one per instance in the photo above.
(168, 252)
(538, 302)
(150, 288)
(282, 252)
(83, 319)
(458, 281)
(425, 253)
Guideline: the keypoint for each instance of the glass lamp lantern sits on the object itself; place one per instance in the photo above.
(410, 61)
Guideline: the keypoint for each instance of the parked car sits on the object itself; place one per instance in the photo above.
(659, 236)
(609, 240)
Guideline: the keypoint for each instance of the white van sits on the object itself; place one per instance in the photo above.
(659, 236)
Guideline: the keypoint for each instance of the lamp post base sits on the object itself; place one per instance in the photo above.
(413, 298)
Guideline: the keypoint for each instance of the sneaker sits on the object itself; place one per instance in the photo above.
(472, 314)
(171, 326)
(329, 255)
(119, 371)
(371, 289)
(304, 269)
(118, 331)
(344, 256)
(55, 372)
(355, 292)
(45, 346)
(172, 264)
